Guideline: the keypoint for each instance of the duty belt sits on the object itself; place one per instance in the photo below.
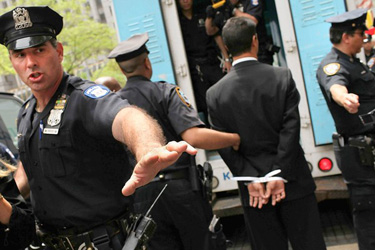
(173, 175)
(96, 238)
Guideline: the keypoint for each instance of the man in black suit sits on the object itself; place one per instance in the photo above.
(260, 103)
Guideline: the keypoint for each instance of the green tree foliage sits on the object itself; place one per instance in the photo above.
(5, 66)
(85, 41)
(111, 69)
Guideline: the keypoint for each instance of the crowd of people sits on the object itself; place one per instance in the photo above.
(93, 156)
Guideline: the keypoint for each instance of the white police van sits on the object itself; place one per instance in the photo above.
(297, 27)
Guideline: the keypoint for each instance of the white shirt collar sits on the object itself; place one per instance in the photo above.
(243, 59)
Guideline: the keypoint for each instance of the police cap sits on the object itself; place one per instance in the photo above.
(350, 20)
(29, 26)
(130, 48)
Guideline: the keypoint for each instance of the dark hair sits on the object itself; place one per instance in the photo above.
(238, 33)
(335, 34)
(53, 42)
(131, 65)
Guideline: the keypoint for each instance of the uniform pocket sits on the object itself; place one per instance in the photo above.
(57, 154)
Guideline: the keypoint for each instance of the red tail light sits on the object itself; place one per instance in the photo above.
(325, 164)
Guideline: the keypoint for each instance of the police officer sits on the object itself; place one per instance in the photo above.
(253, 9)
(368, 48)
(182, 214)
(349, 89)
(71, 135)
(202, 54)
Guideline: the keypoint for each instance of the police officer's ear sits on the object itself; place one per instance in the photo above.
(147, 63)
(345, 37)
(60, 51)
(255, 41)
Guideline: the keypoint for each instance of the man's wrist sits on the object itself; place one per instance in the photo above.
(227, 59)
(234, 11)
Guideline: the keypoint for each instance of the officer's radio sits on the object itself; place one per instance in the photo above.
(143, 229)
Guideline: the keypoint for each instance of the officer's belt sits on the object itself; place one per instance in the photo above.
(99, 236)
(182, 173)
(345, 138)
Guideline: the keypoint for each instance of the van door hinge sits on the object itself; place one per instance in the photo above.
(167, 2)
(305, 122)
(182, 70)
(291, 45)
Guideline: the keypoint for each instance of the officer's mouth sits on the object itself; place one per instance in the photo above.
(35, 76)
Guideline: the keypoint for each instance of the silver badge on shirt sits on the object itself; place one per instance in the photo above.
(54, 118)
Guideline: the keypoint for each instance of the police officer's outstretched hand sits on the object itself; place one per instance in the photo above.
(154, 161)
(351, 103)
(341, 96)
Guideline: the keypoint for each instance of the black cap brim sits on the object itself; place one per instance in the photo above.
(28, 42)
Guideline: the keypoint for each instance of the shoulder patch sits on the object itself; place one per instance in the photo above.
(183, 97)
(331, 69)
(96, 91)
(255, 2)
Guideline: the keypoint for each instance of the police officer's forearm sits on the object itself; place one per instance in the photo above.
(345, 99)
(139, 131)
(5, 211)
(211, 29)
(210, 139)
(220, 43)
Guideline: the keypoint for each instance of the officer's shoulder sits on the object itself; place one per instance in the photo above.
(330, 64)
(88, 88)
(165, 85)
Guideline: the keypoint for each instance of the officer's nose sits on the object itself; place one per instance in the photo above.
(30, 61)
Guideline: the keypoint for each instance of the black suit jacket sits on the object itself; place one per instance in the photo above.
(260, 103)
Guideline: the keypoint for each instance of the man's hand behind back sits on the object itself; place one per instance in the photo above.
(275, 189)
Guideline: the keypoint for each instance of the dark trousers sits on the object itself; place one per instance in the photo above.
(203, 76)
(363, 216)
(298, 221)
(362, 193)
(182, 216)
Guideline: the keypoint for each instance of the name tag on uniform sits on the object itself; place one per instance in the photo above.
(50, 131)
